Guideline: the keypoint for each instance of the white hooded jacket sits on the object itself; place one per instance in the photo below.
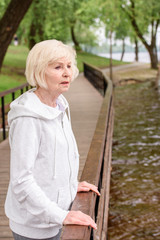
(44, 166)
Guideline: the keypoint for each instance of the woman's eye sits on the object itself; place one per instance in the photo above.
(69, 66)
(57, 67)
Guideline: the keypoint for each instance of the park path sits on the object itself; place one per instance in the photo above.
(131, 71)
(85, 103)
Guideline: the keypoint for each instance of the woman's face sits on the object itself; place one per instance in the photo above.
(58, 75)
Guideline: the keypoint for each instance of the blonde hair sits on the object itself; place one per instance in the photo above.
(44, 53)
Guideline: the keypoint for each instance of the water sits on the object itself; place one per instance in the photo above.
(130, 56)
(135, 181)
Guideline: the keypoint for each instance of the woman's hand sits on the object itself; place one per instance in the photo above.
(86, 187)
(79, 218)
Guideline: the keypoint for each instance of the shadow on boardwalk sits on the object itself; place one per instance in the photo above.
(85, 103)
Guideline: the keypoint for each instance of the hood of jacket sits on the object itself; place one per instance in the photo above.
(29, 105)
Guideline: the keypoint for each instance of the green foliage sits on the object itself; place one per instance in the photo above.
(87, 36)
(55, 24)
(10, 81)
(3, 6)
(80, 15)
(133, 18)
(16, 57)
(56, 18)
(115, 14)
(95, 60)
(145, 12)
(12, 74)
(110, 14)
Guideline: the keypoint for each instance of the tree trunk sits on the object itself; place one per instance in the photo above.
(136, 49)
(157, 83)
(123, 49)
(111, 75)
(76, 43)
(10, 22)
(36, 32)
(151, 48)
(32, 34)
(153, 56)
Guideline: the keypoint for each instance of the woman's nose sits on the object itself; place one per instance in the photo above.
(66, 72)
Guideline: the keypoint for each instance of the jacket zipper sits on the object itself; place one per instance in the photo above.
(68, 155)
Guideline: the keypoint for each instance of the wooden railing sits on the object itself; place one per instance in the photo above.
(97, 168)
(4, 106)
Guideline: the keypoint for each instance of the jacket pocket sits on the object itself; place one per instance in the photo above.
(64, 198)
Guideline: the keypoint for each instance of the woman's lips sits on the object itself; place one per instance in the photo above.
(65, 82)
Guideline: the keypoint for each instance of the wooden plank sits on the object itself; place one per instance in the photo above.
(108, 159)
(105, 181)
(4, 220)
(6, 238)
(5, 232)
(104, 237)
(75, 232)
(99, 220)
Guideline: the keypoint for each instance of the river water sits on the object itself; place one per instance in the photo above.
(130, 56)
(135, 180)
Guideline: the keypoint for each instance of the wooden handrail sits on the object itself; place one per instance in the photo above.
(97, 167)
(13, 90)
(4, 106)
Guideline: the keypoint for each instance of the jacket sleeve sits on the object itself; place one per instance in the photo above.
(24, 142)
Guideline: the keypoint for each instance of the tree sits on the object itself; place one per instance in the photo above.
(37, 26)
(141, 23)
(78, 12)
(136, 49)
(42, 22)
(121, 32)
(3, 6)
(10, 22)
(48, 19)
(111, 18)
(157, 83)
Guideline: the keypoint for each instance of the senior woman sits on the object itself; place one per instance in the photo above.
(44, 154)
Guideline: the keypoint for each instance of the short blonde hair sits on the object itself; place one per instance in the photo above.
(44, 53)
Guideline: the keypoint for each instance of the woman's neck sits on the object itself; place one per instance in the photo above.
(46, 97)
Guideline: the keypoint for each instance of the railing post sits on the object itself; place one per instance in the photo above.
(3, 118)
(13, 96)
(3, 107)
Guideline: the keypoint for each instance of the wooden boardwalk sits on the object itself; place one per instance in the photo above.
(85, 103)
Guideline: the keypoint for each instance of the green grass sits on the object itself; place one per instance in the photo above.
(16, 57)
(94, 60)
(12, 74)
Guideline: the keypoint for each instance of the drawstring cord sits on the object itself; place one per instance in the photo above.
(54, 166)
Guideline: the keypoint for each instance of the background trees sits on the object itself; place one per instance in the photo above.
(47, 19)
(144, 17)
(10, 22)
(50, 19)
(76, 21)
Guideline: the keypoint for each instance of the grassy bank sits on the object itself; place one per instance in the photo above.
(12, 73)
